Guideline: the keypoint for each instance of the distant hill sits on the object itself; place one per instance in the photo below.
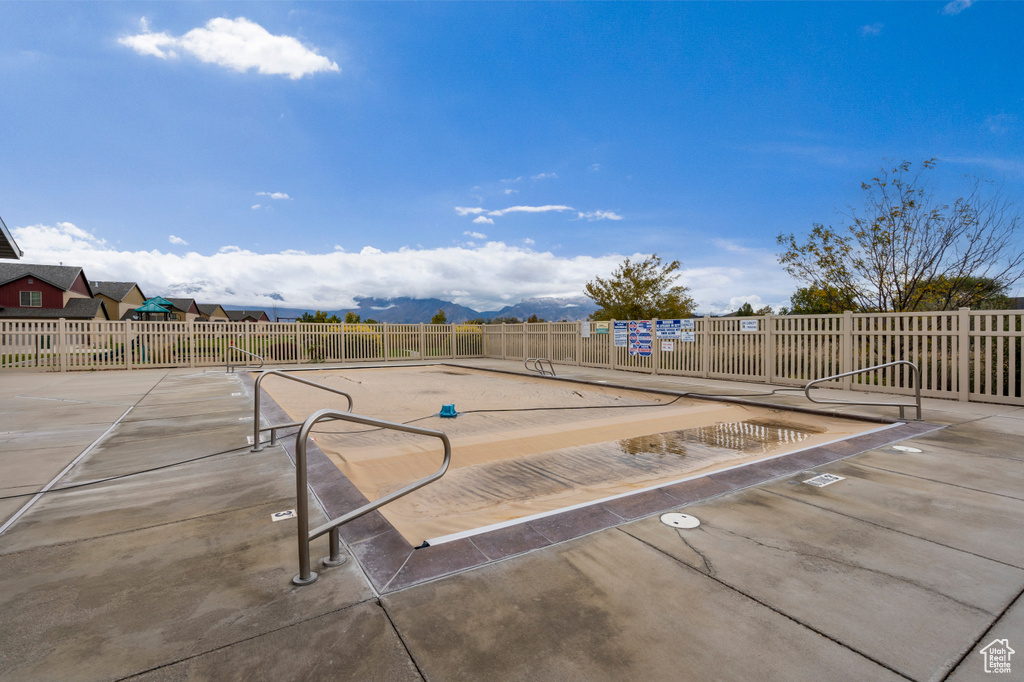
(405, 310)
(570, 309)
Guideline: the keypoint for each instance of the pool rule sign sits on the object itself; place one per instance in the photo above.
(640, 338)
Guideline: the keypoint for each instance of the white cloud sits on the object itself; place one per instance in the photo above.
(237, 44)
(177, 240)
(595, 167)
(529, 242)
(491, 273)
(957, 6)
(600, 215)
(872, 29)
(273, 195)
(513, 179)
(509, 191)
(475, 235)
(256, 207)
(727, 245)
(483, 220)
(528, 209)
(544, 176)
(462, 210)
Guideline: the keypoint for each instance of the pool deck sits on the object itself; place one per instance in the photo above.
(904, 569)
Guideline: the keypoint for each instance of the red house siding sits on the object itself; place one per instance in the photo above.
(80, 287)
(10, 293)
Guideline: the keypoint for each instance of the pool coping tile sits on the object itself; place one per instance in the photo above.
(391, 563)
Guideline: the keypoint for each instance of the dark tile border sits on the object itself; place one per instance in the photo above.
(391, 563)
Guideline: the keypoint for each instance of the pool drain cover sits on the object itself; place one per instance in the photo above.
(677, 520)
(906, 448)
(822, 480)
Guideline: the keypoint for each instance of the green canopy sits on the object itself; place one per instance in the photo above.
(159, 300)
(151, 306)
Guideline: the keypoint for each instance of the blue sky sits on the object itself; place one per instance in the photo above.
(306, 153)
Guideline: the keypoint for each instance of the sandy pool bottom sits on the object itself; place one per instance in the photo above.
(523, 446)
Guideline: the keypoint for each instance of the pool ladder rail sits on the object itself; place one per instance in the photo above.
(538, 366)
(305, 535)
(229, 368)
(917, 388)
(257, 430)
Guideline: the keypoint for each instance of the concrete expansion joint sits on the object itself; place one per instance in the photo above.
(773, 609)
(935, 480)
(859, 567)
(267, 633)
(405, 645)
(895, 530)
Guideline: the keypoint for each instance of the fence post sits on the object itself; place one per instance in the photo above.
(846, 356)
(62, 345)
(655, 347)
(613, 354)
(451, 333)
(550, 353)
(768, 352)
(387, 341)
(579, 342)
(126, 350)
(191, 327)
(963, 354)
(705, 347)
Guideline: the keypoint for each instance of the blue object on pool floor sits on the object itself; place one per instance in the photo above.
(449, 411)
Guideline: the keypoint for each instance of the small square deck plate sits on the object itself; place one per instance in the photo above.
(822, 480)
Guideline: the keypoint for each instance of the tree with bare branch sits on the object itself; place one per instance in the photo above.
(909, 251)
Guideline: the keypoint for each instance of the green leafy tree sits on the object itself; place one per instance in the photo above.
(894, 254)
(746, 310)
(319, 316)
(641, 291)
(823, 300)
(439, 317)
(534, 318)
(351, 318)
(505, 320)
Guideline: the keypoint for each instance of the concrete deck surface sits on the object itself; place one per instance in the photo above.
(905, 569)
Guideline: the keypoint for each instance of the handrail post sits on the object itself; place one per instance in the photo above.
(257, 445)
(306, 575)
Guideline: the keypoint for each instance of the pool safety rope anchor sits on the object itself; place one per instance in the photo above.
(449, 411)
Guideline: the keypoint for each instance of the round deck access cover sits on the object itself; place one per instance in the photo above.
(677, 520)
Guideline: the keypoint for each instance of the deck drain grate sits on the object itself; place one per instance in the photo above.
(822, 480)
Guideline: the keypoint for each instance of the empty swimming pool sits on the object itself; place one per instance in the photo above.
(525, 446)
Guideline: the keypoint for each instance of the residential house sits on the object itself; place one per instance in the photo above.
(183, 309)
(8, 247)
(212, 312)
(47, 292)
(248, 316)
(122, 298)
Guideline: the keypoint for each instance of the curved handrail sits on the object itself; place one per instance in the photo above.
(306, 576)
(538, 366)
(227, 357)
(917, 388)
(257, 446)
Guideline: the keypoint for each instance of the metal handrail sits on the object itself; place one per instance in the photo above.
(305, 575)
(917, 388)
(227, 358)
(257, 445)
(538, 366)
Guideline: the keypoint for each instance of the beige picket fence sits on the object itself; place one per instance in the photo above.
(964, 354)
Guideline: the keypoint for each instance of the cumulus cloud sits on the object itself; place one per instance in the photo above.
(475, 235)
(509, 191)
(544, 176)
(236, 44)
(871, 29)
(177, 240)
(600, 215)
(483, 220)
(957, 6)
(528, 209)
(273, 195)
(484, 277)
(462, 210)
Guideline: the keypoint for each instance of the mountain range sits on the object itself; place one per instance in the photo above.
(405, 310)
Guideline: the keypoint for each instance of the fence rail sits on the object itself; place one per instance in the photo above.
(963, 354)
(65, 345)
